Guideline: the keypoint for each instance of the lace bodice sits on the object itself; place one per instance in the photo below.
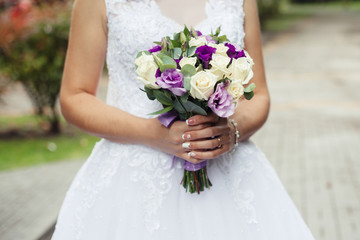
(133, 25)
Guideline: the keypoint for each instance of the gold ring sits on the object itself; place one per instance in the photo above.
(220, 143)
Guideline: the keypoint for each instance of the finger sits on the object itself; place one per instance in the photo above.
(207, 132)
(203, 155)
(207, 144)
(200, 119)
(188, 158)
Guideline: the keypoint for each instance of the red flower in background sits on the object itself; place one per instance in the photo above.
(19, 13)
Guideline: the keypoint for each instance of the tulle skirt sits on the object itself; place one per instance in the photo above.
(134, 192)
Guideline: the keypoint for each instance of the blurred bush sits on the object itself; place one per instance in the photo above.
(270, 8)
(33, 45)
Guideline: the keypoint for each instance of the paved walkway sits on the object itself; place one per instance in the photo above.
(312, 136)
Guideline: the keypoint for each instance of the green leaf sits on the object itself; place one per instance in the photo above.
(150, 93)
(250, 88)
(157, 60)
(223, 38)
(248, 95)
(184, 97)
(188, 70)
(191, 51)
(187, 32)
(187, 84)
(157, 43)
(163, 98)
(218, 31)
(177, 53)
(178, 107)
(167, 62)
(140, 53)
(193, 108)
(165, 110)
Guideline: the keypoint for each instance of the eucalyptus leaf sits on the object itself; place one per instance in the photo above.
(191, 51)
(187, 84)
(157, 60)
(250, 88)
(163, 98)
(177, 53)
(140, 53)
(165, 110)
(167, 62)
(188, 70)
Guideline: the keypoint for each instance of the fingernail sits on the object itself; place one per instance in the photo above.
(191, 154)
(186, 145)
(185, 136)
(190, 121)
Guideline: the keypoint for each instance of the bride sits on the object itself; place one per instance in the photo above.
(129, 188)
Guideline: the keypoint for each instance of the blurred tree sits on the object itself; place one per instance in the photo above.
(32, 51)
(270, 8)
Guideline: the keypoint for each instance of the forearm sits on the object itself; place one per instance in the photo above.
(251, 115)
(95, 117)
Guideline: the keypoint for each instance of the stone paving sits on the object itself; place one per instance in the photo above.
(312, 136)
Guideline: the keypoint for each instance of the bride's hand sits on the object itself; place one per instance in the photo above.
(210, 142)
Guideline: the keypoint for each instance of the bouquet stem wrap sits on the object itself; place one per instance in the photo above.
(195, 174)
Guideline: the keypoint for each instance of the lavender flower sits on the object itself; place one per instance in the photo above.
(205, 53)
(172, 79)
(209, 39)
(233, 52)
(154, 49)
(221, 102)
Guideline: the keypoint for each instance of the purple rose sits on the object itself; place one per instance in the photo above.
(158, 73)
(233, 52)
(205, 53)
(154, 49)
(221, 102)
(172, 79)
(199, 33)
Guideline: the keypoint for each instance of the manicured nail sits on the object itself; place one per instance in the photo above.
(191, 154)
(185, 136)
(190, 121)
(186, 145)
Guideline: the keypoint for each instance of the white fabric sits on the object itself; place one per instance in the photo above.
(131, 191)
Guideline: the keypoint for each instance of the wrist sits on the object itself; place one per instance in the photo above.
(153, 131)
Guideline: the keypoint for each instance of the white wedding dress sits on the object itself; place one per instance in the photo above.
(132, 192)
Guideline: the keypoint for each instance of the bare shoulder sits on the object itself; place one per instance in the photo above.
(91, 11)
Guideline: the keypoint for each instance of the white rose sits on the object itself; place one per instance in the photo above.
(146, 70)
(219, 65)
(202, 85)
(197, 42)
(186, 60)
(220, 48)
(249, 59)
(241, 70)
(236, 90)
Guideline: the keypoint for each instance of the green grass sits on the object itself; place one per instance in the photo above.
(30, 150)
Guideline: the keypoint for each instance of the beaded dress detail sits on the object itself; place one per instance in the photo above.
(133, 192)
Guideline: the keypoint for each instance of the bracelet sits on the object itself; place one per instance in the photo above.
(237, 134)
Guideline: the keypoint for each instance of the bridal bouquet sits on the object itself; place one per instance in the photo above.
(191, 74)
